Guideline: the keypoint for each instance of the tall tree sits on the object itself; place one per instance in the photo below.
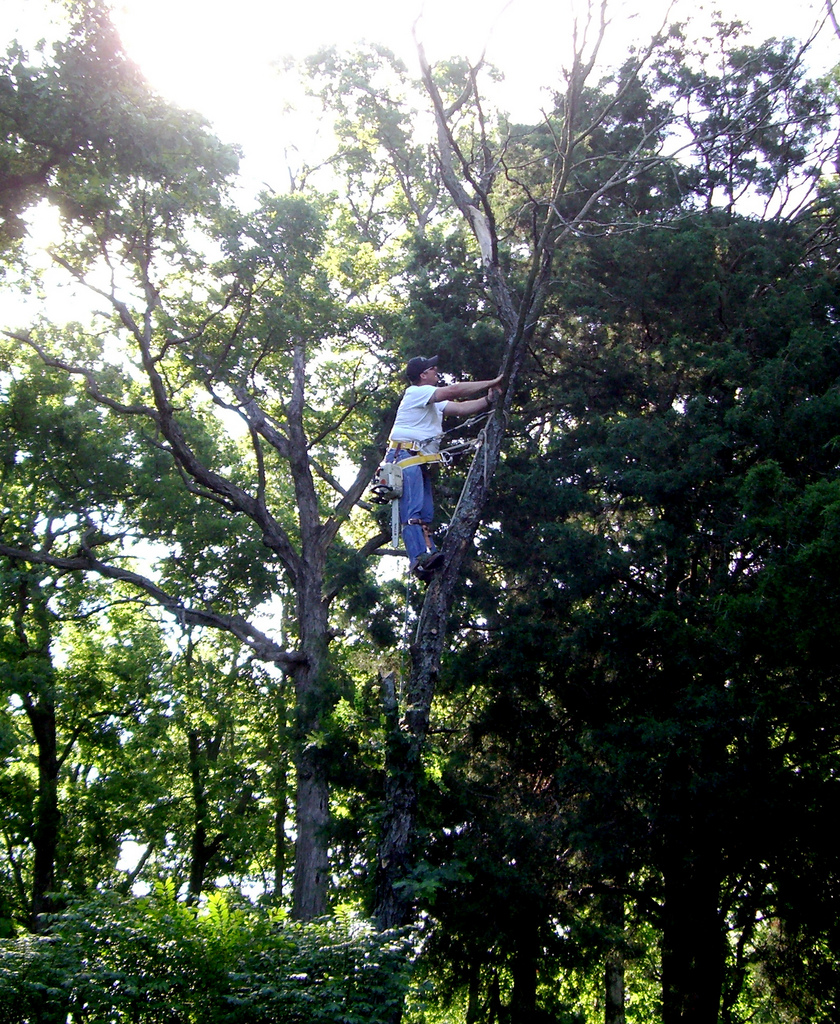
(762, 133)
(628, 131)
(249, 334)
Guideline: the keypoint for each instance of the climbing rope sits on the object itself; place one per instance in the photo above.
(406, 641)
(478, 444)
(465, 443)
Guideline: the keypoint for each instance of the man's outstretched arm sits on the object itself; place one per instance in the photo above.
(463, 389)
(475, 405)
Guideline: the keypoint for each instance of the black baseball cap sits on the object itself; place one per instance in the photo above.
(418, 364)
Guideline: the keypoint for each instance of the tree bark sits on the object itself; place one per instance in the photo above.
(614, 988)
(313, 818)
(312, 805)
(201, 852)
(32, 633)
(523, 1003)
(279, 797)
(47, 814)
(692, 935)
(473, 1015)
(614, 966)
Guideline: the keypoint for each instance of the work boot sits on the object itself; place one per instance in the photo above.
(427, 565)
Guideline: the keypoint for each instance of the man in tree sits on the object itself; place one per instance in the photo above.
(415, 443)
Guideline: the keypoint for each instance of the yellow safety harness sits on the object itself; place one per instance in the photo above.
(417, 458)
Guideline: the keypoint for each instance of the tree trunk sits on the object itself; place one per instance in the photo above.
(32, 625)
(280, 797)
(312, 805)
(614, 988)
(523, 1003)
(614, 966)
(313, 818)
(47, 815)
(474, 995)
(392, 905)
(692, 938)
(199, 851)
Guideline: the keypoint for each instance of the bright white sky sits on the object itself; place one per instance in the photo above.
(217, 56)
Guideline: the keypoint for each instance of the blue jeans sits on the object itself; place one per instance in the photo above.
(416, 503)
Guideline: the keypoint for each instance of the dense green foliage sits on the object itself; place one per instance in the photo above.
(153, 960)
(657, 648)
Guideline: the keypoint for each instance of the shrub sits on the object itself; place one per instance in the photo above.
(154, 960)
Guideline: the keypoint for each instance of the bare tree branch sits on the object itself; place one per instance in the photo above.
(85, 561)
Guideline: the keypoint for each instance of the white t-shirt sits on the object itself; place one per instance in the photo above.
(418, 417)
